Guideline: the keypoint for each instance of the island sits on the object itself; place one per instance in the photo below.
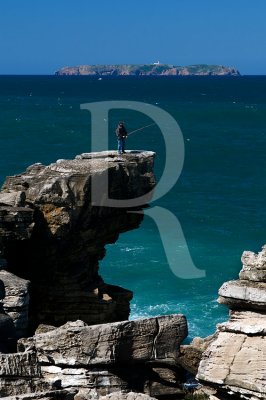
(155, 69)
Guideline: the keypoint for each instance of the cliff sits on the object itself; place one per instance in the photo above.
(235, 361)
(148, 70)
(53, 237)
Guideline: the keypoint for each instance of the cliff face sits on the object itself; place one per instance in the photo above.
(235, 361)
(148, 70)
(53, 237)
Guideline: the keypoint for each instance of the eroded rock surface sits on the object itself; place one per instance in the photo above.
(57, 220)
(235, 361)
(138, 356)
(16, 301)
(48, 221)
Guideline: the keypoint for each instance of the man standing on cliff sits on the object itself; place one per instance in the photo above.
(121, 134)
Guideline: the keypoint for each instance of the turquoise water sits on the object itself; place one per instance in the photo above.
(219, 198)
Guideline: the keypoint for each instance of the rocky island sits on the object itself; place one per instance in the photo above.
(64, 332)
(155, 69)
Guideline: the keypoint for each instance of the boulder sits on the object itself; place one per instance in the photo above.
(77, 344)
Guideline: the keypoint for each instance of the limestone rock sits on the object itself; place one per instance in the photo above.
(14, 199)
(247, 322)
(235, 362)
(243, 294)
(20, 373)
(16, 301)
(63, 228)
(254, 266)
(16, 223)
(76, 344)
(191, 354)
(138, 356)
(57, 218)
(249, 291)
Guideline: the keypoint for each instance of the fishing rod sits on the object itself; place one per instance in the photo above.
(140, 129)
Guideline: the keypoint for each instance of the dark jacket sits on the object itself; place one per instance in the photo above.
(121, 131)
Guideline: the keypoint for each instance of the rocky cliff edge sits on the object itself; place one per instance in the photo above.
(235, 361)
(52, 237)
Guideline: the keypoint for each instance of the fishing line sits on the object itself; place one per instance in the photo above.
(140, 129)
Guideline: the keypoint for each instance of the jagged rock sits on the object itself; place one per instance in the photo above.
(62, 235)
(20, 373)
(7, 328)
(16, 223)
(14, 199)
(235, 362)
(44, 328)
(19, 364)
(16, 301)
(249, 291)
(254, 266)
(191, 354)
(129, 355)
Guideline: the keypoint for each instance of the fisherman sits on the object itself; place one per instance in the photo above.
(121, 134)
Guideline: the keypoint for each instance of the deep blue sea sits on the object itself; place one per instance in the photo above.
(219, 199)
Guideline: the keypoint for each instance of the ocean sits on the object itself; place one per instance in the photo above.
(218, 200)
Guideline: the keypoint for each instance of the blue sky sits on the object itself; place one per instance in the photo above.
(38, 37)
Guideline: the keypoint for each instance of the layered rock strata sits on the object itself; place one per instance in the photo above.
(235, 361)
(52, 236)
(49, 224)
(139, 356)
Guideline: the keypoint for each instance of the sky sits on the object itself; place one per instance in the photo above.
(41, 36)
